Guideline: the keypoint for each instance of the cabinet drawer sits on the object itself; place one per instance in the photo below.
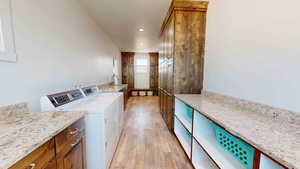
(69, 137)
(39, 158)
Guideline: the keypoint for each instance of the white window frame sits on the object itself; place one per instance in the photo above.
(7, 33)
(142, 68)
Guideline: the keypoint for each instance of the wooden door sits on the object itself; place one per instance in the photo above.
(74, 160)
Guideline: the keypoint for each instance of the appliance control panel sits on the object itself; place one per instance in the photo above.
(60, 99)
(90, 90)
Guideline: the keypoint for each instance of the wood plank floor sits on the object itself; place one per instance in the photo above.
(146, 142)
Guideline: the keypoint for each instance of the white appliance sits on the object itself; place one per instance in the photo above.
(104, 121)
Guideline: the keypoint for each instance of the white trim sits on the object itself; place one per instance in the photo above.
(9, 55)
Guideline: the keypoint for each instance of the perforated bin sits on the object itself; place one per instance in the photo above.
(183, 110)
(238, 148)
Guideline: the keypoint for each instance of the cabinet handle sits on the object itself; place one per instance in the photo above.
(74, 144)
(76, 130)
(32, 165)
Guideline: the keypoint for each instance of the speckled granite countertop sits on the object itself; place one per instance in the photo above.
(22, 132)
(112, 88)
(275, 132)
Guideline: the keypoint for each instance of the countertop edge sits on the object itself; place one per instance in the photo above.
(43, 141)
(233, 132)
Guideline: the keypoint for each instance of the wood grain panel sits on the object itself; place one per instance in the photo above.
(70, 147)
(40, 158)
(189, 51)
(181, 55)
(153, 70)
(128, 69)
(170, 56)
(183, 5)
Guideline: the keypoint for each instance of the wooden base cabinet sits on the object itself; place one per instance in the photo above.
(41, 158)
(70, 147)
(65, 151)
(181, 54)
(166, 108)
(73, 159)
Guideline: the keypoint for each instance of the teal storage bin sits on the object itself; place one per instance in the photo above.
(183, 109)
(238, 148)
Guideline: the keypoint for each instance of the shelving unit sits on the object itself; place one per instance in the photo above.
(267, 163)
(198, 137)
(200, 159)
(183, 135)
(184, 113)
(204, 133)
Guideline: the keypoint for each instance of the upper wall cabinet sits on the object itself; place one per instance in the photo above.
(181, 54)
(7, 44)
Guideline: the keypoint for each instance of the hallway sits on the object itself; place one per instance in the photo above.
(146, 142)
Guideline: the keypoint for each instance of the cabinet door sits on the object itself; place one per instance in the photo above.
(74, 160)
(169, 52)
(39, 158)
(51, 165)
(170, 112)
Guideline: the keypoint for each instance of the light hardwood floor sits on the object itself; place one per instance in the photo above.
(146, 142)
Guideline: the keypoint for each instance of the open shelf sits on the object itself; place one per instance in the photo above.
(204, 133)
(200, 159)
(183, 135)
(267, 163)
(184, 113)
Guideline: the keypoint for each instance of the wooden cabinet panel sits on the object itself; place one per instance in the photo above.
(51, 165)
(166, 108)
(70, 147)
(153, 70)
(169, 113)
(128, 69)
(153, 59)
(64, 151)
(68, 137)
(73, 160)
(181, 54)
(153, 77)
(41, 158)
(189, 51)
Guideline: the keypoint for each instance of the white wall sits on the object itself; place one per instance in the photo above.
(253, 51)
(58, 46)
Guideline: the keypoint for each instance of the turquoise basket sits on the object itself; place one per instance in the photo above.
(238, 148)
(186, 110)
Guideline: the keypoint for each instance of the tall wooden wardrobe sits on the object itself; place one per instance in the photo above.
(181, 55)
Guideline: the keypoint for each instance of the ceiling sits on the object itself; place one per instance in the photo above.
(122, 19)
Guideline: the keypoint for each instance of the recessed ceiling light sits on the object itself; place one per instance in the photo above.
(141, 30)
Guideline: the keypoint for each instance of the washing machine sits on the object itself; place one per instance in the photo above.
(104, 120)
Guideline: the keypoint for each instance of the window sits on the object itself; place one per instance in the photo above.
(7, 43)
(141, 71)
(2, 45)
(141, 65)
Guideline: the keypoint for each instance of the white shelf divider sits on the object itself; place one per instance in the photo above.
(184, 114)
(186, 123)
(200, 159)
(183, 138)
(267, 163)
(204, 133)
